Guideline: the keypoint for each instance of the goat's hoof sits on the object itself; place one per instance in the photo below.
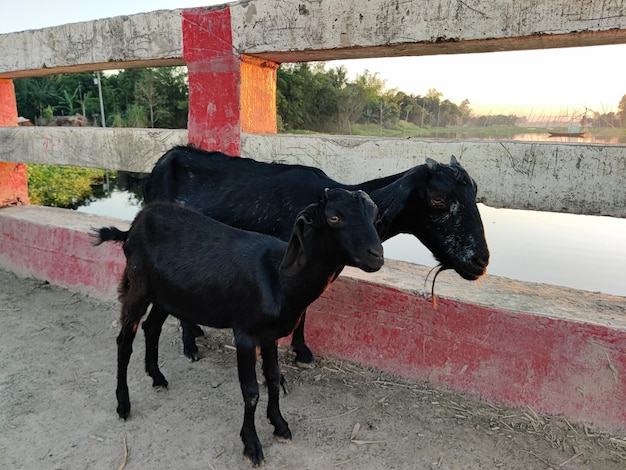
(256, 459)
(191, 353)
(160, 383)
(305, 365)
(261, 463)
(193, 357)
(304, 357)
(282, 440)
(284, 436)
(123, 413)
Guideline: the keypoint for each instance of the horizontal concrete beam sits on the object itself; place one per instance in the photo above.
(557, 350)
(295, 31)
(94, 147)
(142, 40)
(575, 178)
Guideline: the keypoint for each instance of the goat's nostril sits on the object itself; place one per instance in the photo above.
(481, 260)
(376, 252)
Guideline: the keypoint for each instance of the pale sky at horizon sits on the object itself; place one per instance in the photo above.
(544, 83)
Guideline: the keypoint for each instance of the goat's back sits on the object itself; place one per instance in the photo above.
(189, 264)
(241, 192)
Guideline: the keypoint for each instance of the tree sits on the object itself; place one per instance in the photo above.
(621, 110)
(35, 94)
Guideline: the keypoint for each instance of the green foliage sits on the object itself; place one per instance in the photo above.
(61, 186)
(152, 97)
(309, 97)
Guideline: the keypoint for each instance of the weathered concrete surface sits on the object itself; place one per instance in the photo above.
(142, 40)
(294, 31)
(113, 149)
(55, 245)
(555, 349)
(291, 30)
(576, 178)
(581, 179)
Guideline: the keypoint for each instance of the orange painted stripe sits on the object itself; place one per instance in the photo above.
(13, 183)
(8, 105)
(258, 95)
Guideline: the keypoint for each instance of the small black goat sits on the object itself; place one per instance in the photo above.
(205, 272)
(434, 202)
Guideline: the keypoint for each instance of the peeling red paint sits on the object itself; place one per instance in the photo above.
(214, 79)
(554, 365)
(13, 183)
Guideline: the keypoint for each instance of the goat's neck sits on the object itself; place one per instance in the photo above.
(306, 286)
(416, 179)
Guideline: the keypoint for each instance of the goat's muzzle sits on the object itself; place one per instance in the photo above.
(373, 259)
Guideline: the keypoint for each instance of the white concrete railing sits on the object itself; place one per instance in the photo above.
(577, 178)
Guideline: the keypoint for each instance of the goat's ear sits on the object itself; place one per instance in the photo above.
(431, 164)
(295, 256)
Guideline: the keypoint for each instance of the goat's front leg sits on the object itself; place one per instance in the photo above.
(130, 317)
(246, 366)
(152, 330)
(274, 380)
(304, 356)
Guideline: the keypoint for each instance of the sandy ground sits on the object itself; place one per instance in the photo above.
(57, 405)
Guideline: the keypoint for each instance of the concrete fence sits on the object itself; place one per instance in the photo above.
(557, 350)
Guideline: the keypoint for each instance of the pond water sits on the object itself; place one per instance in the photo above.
(583, 252)
(588, 138)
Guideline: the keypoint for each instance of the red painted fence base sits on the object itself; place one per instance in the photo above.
(571, 361)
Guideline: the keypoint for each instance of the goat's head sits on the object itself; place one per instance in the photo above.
(437, 204)
(345, 222)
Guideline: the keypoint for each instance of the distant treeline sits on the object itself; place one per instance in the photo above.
(310, 97)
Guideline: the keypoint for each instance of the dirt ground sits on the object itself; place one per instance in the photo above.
(57, 405)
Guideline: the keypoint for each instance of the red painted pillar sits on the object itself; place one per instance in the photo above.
(13, 184)
(229, 93)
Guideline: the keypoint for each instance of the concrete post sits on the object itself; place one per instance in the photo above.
(228, 93)
(13, 184)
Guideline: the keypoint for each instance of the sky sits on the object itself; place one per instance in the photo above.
(542, 84)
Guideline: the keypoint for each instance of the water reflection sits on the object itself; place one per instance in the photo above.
(118, 203)
(534, 137)
(587, 138)
(583, 252)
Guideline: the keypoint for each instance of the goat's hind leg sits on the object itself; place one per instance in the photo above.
(274, 380)
(246, 366)
(191, 331)
(152, 330)
(130, 317)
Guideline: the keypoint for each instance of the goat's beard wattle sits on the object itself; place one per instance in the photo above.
(438, 268)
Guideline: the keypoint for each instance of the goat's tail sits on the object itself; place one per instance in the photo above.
(108, 234)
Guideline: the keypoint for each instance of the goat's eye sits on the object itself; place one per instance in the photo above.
(333, 219)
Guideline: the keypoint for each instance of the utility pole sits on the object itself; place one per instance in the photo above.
(103, 123)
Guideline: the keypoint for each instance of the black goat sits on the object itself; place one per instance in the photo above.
(434, 202)
(205, 272)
